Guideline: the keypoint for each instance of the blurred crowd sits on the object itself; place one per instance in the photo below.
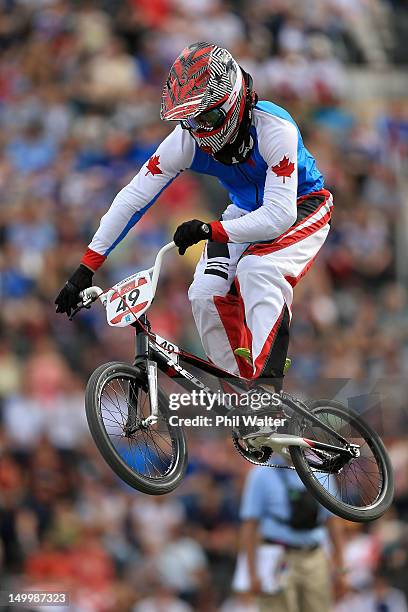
(80, 86)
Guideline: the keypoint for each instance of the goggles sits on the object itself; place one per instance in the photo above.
(208, 120)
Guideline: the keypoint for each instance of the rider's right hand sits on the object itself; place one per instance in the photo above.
(68, 297)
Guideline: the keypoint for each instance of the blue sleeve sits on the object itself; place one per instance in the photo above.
(253, 498)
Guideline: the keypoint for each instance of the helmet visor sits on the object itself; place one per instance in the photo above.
(208, 120)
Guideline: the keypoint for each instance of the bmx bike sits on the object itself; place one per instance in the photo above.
(340, 459)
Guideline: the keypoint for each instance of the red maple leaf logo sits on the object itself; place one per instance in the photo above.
(284, 169)
(153, 165)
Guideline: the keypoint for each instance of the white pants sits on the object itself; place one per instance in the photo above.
(241, 295)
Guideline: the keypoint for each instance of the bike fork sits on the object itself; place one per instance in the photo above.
(142, 355)
(154, 402)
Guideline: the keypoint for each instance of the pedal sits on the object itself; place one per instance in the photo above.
(288, 363)
(245, 353)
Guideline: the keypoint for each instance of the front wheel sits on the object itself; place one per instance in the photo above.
(149, 458)
(360, 489)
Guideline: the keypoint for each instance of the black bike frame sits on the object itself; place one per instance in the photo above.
(146, 348)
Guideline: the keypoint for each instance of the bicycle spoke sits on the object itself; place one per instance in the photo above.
(148, 451)
(355, 484)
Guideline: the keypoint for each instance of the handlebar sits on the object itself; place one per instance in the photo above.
(155, 269)
(93, 293)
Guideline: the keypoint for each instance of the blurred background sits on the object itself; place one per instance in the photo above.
(80, 86)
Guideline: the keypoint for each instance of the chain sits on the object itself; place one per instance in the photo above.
(254, 462)
(270, 465)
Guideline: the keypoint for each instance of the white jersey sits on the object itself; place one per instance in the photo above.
(265, 187)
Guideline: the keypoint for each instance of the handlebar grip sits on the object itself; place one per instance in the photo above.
(90, 294)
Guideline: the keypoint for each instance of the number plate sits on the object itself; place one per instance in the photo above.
(167, 347)
(129, 299)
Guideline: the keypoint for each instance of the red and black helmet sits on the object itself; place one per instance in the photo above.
(206, 92)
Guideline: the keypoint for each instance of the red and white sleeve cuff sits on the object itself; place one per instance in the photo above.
(218, 233)
(92, 259)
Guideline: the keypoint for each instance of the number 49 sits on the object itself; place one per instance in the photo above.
(131, 299)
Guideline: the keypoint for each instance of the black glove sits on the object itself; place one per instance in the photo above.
(190, 233)
(68, 297)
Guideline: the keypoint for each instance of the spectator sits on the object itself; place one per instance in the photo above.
(182, 566)
(289, 569)
(380, 597)
(163, 599)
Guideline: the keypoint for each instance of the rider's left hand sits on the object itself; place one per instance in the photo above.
(190, 233)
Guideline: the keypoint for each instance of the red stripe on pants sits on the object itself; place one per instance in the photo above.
(293, 280)
(285, 240)
(272, 247)
(263, 355)
(232, 314)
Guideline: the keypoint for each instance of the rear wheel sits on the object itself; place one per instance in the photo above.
(149, 458)
(358, 489)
